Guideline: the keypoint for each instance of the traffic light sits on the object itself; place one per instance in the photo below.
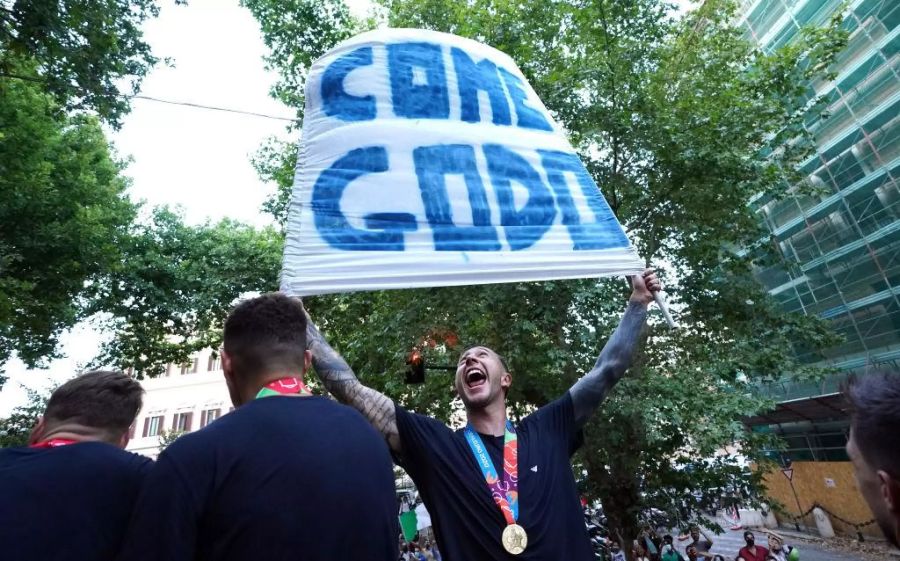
(415, 373)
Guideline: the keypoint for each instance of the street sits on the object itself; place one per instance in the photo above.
(729, 543)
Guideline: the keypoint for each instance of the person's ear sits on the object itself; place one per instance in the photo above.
(228, 372)
(226, 362)
(506, 381)
(37, 433)
(123, 440)
(890, 491)
(307, 360)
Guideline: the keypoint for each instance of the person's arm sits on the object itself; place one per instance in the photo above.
(591, 389)
(342, 383)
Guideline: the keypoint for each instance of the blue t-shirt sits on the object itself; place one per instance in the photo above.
(467, 522)
(280, 478)
(67, 503)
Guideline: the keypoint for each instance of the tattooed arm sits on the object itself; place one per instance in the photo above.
(615, 358)
(340, 380)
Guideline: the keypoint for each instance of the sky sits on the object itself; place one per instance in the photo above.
(194, 158)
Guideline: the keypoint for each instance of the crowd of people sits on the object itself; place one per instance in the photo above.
(650, 546)
(293, 475)
(412, 551)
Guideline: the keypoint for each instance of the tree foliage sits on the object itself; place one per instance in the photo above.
(681, 121)
(63, 213)
(83, 51)
(174, 284)
(16, 428)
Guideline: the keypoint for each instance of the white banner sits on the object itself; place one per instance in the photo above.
(426, 159)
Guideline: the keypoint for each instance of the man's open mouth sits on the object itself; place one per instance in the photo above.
(475, 377)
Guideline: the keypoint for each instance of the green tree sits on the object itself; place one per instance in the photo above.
(681, 121)
(63, 212)
(167, 437)
(174, 284)
(16, 428)
(83, 51)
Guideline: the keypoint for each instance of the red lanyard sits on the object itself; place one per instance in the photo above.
(54, 443)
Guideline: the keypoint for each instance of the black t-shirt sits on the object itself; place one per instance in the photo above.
(467, 522)
(280, 478)
(67, 503)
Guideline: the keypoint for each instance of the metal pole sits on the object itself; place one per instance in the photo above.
(799, 508)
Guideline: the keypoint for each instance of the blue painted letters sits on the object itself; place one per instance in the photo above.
(336, 102)
(473, 77)
(326, 205)
(536, 217)
(418, 81)
(527, 117)
(602, 234)
(433, 163)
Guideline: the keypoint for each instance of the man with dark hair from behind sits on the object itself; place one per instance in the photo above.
(874, 446)
(287, 475)
(70, 493)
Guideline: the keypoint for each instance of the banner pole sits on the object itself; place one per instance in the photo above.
(664, 308)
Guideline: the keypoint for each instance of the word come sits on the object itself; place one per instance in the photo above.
(419, 87)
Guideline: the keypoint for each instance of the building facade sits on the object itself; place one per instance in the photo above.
(842, 246)
(184, 398)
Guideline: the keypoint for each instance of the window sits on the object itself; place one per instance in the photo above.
(215, 363)
(152, 425)
(182, 422)
(208, 416)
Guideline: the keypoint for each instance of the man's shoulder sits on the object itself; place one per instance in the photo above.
(406, 416)
(98, 457)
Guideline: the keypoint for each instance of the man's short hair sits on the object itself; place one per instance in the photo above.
(265, 333)
(101, 399)
(874, 416)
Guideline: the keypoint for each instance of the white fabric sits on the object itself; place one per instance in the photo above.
(423, 519)
(385, 147)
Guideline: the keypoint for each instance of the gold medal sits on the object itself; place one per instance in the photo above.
(515, 540)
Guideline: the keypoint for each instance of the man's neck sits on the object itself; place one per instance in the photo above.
(490, 419)
(258, 384)
(74, 432)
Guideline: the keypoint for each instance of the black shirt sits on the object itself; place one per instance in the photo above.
(467, 522)
(280, 478)
(67, 503)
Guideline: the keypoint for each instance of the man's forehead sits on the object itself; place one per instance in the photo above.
(478, 348)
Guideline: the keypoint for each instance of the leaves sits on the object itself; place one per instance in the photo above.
(84, 51)
(169, 294)
(63, 212)
(16, 428)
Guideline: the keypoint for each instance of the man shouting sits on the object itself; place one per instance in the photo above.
(496, 490)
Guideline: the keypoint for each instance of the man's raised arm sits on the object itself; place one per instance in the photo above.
(339, 379)
(615, 358)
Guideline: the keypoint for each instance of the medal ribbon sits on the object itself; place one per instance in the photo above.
(54, 443)
(505, 492)
(284, 386)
